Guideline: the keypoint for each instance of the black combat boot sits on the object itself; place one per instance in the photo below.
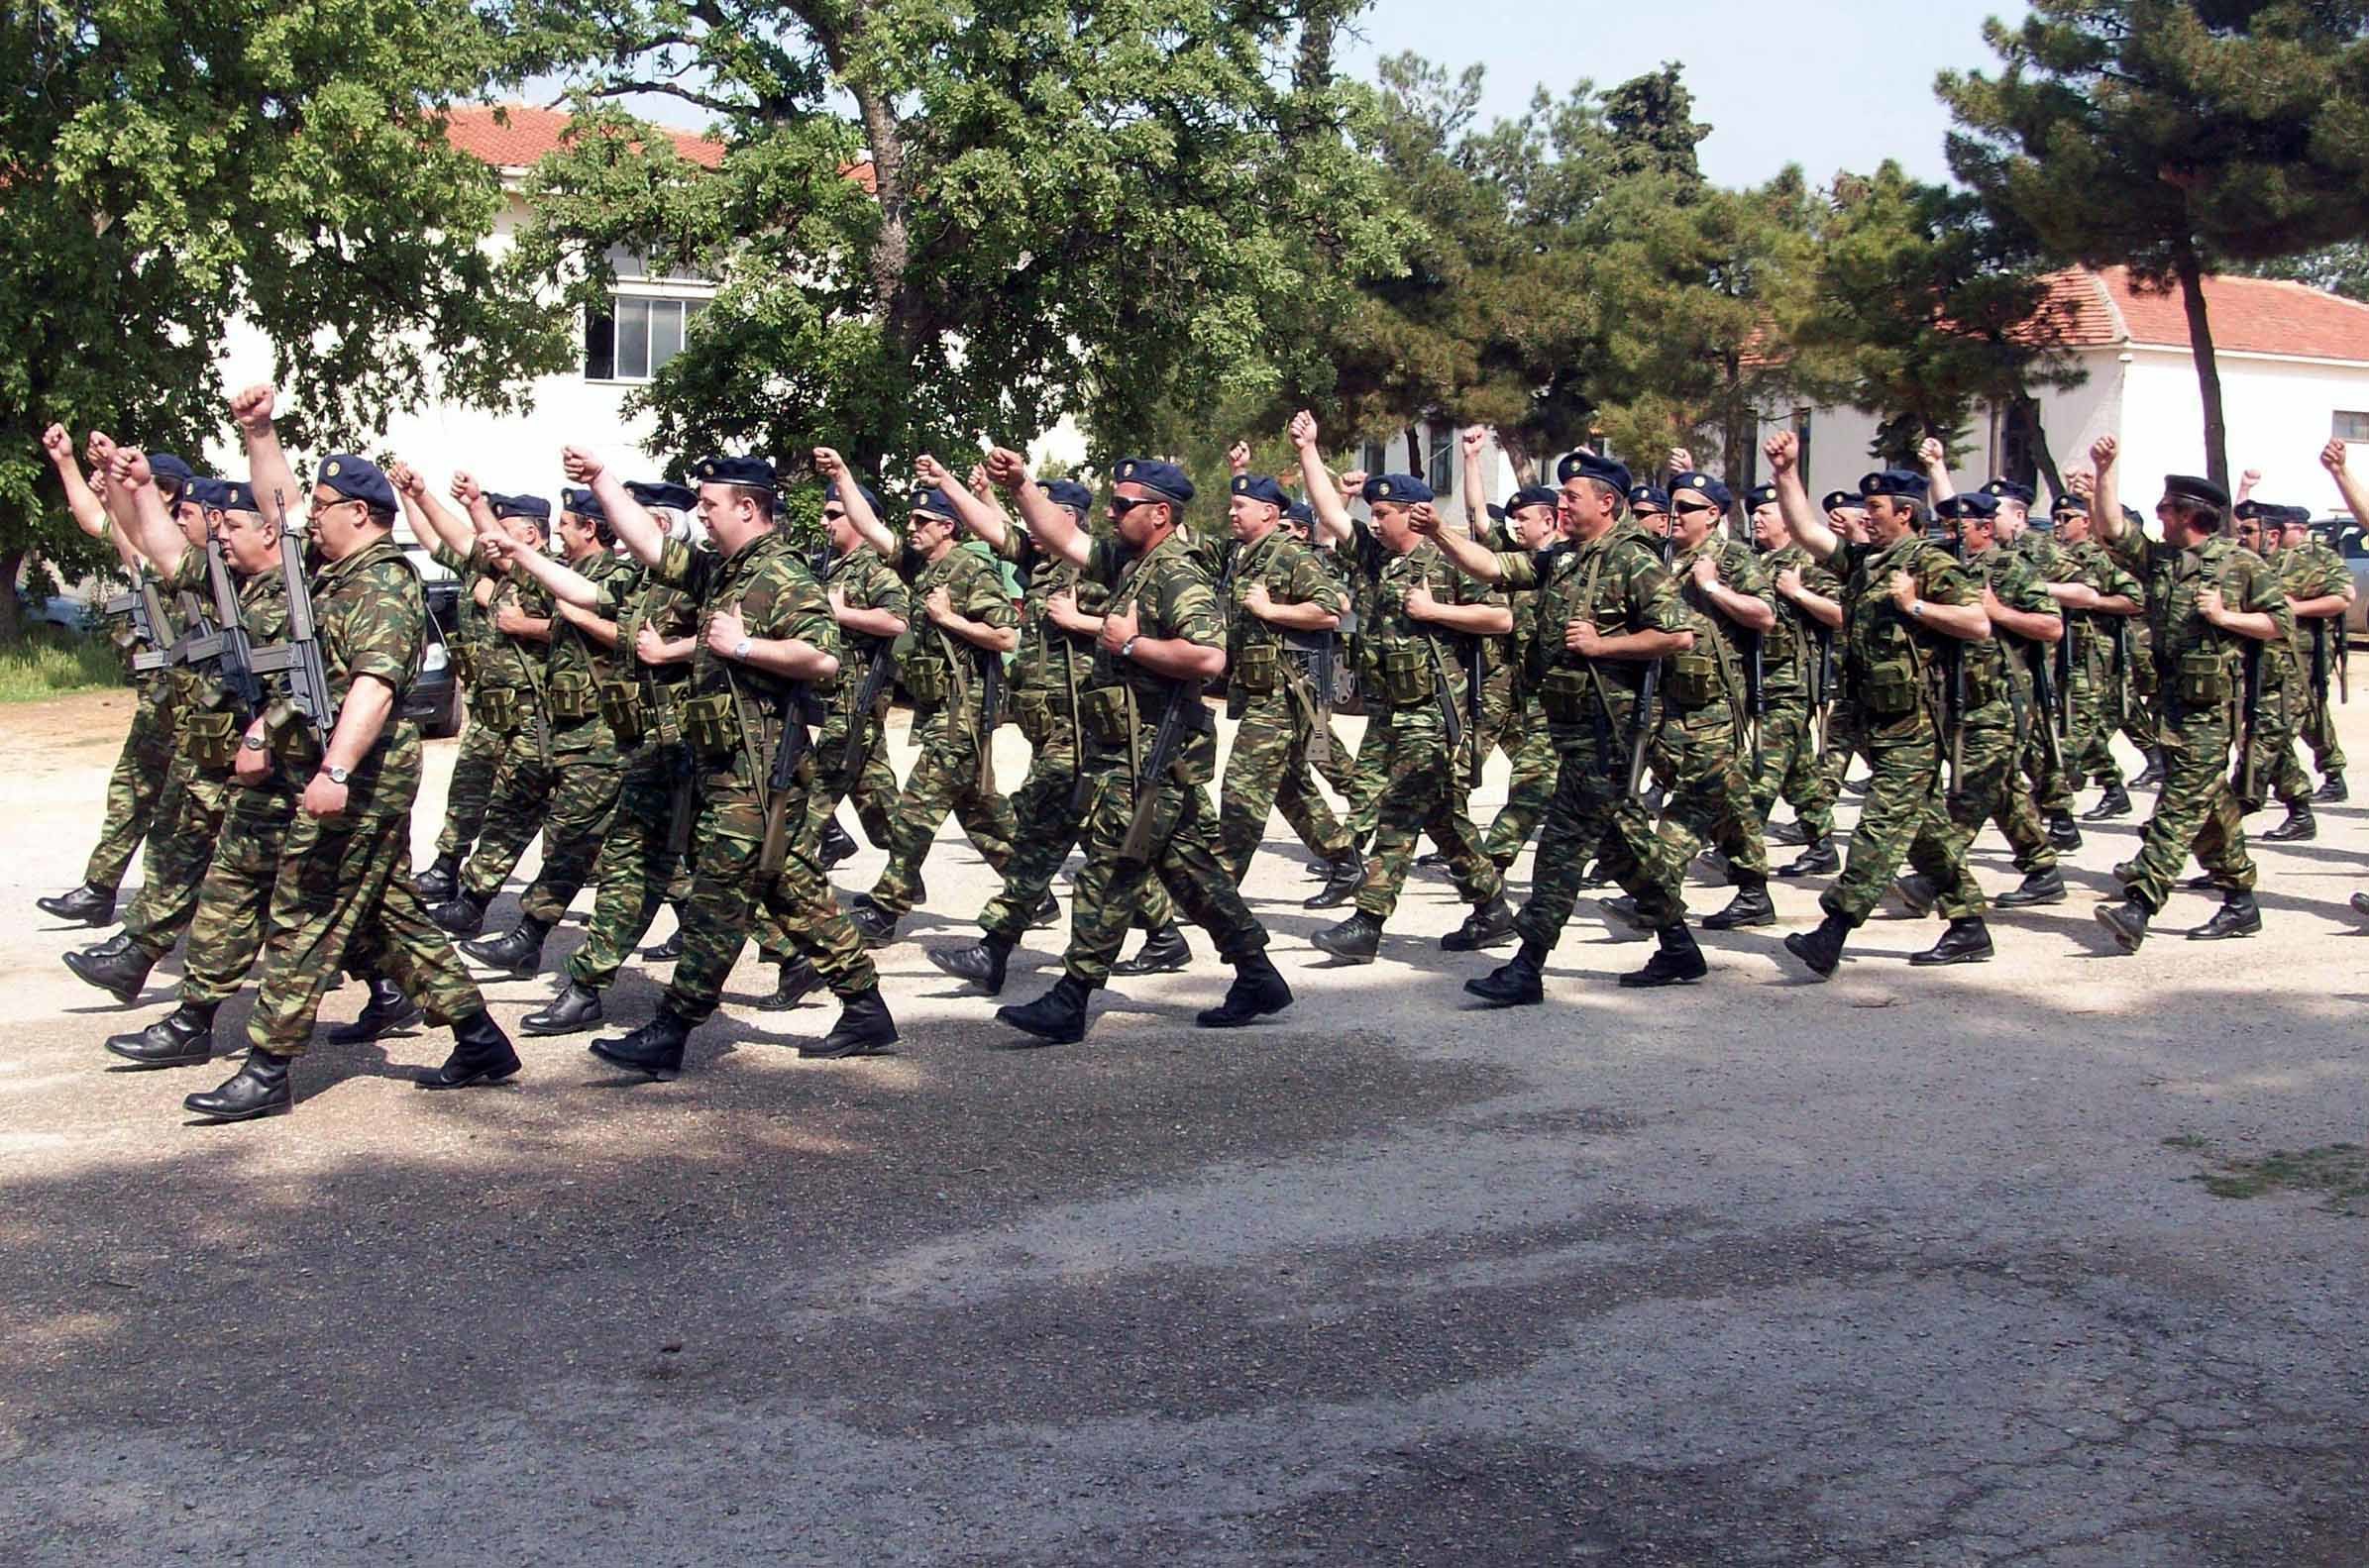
(2037, 888)
(1344, 875)
(1163, 952)
(2300, 827)
(1048, 912)
(463, 914)
(864, 1027)
(88, 905)
(183, 1037)
(518, 952)
(115, 946)
(1256, 991)
(1750, 906)
(798, 980)
(440, 882)
(981, 963)
(874, 924)
(1818, 857)
(1623, 910)
(1518, 983)
(2063, 832)
(671, 949)
(1487, 926)
(838, 845)
(656, 1048)
(482, 1054)
(1059, 1017)
(2126, 919)
(1790, 834)
(1820, 950)
(2329, 793)
(121, 971)
(1966, 941)
(2152, 774)
(257, 1088)
(1678, 962)
(2238, 915)
(1355, 940)
(575, 1008)
(1915, 894)
(2113, 803)
(2202, 881)
(1436, 859)
(2360, 903)
(388, 1010)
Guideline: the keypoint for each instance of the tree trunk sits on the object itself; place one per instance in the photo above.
(2209, 371)
(12, 625)
(2024, 412)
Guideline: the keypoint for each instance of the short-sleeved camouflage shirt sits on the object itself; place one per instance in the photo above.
(1999, 672)
(776, 599)
(2311, 570)
(372, 617)
(865, 581)
(1880, 635)
(1291, 574)
(1171, 597)
(1789, 652)
(1391, 629)
(2246, 581)
(1617, 583)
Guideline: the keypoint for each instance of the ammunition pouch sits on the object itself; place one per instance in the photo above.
(1563, 694)
(925, 679)
(498, 708)
(711, 727)
(571, 699)
(1406, 676)
(1257, 670)
(621, 708)
(2202, 681)
(1691, 680)
(211, 737)
(1032, 712)
(1110, 715)
(1890, 690)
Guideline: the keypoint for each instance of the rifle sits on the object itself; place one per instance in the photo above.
(1756, 693)
(2052, 707)
(991, 708)
(1451, 717)
(1314, 651)
(1822, 698)
(229, 650)
(1166, 741)
(796, 710)
(1954, 712)
(2068, 657)
(2249, 762)
(298, 656)
(2319, 664)
(1641, 722)
(149, 623)
(876, 677)
(534, 689)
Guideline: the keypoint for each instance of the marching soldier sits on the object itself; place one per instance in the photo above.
(469, 644)
(874, 610)
(2214, 599)
(1907, 605)
(2098, 600)
(2320, 733)
(1152, 747)
(2282, 679)
(1796, 667)
(1528, 524)
(1846, 514)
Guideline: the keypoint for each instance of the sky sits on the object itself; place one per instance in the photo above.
(1828, 84)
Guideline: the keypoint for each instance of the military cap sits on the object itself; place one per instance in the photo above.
(1403, 489)
(2253, 511)
(1300, 515)
(1162, 478)
(1760, 495)
(1648, 498)
(1899, 483)
(2194, 487)
(584, 504)
(1843, 501)
(2069, 503)
(205, 492)
(1702, 485)
(1980, 506)
(357, 479)
(238, 496)
(831, 492)
(1077, 498)
(1584, 464)
(932, 501)
(750, 473)
(1531, 496)
(1258, 488)
(2295, 517)
(533, 506)
(2009, 491)
(170, 470)
(670, 497)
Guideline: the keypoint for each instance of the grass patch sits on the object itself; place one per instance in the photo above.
(49, 662)
(2337, 1172)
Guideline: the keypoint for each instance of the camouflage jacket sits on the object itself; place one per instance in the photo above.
(2101, 646)
(934, 658)
(370, 615)
(1894, 668)
(1394, 639)
(769, 586)
(2309, 572)
(865, 581)
(1999, 679)
(1617, 583)
(1291, 574)
(2246, 582)
(1789, 652)
(1049, 656)
(1739, 571)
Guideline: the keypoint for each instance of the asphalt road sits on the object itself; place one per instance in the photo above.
(1899, 1270)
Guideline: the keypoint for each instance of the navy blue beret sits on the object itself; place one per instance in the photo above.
(2192, 488)
(1703, 485)
(2009, 491)
(1300, 515)
(932, 501)
(1584, 464)
(1897, 482)
(1842, 501)
(533, 506)
(2248, 511)
(1760, 495)
(238, 496)
(1648, 498)
(831, 492)
(750, 473)
(1403, 489)
(205, 492)
(1980, 505)
(1077, 498)
(1531, 496)
(2294, 516)
(357, 479)
(1258, 488)
(1162, 479)
(584, 503)
(672, 497)
(170, 470)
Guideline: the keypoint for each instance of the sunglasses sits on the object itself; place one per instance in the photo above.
(1121, 505)
(830, 514)
(1684, 510)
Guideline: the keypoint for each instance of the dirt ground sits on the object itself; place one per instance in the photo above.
(1913, 1268)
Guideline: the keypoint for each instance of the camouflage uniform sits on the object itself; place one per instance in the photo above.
(181, 840)
(137, 784)
(1173, 598)
(468, 644)
(339, 896)
(2309, 572)
(731, 715)
(1698, 749)
(1999, 722)
(2041, 560)
(945, 677)
(583, 749)
(1789, 671)
(1894, 668)
(1270, 691)
(1523, 738)
(866, 582)
(512, 702)
(2199, 675)
(2098, 664)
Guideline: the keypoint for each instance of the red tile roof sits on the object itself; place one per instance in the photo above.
(531, 133)
(2251, 315)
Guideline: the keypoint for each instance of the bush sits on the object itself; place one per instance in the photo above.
(48, 661)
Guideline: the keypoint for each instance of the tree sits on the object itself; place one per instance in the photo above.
(2173, 137)
(1035, 208)
(168, 171)
(2341, 268)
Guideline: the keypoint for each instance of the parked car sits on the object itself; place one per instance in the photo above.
(434, 701)
(56, 609)
(2344, 535)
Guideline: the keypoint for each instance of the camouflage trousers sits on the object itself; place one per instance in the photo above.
(727, 891)
(2319, 731)
(1842, 744)
(1269, 771)
(226, 934)
(567, 798)
(2277, 772)
(1990, 789)
(134, 788)
(944, 778)
(1045, 828)
(180, 846)
(1903, 818)
(637, 864)
(2096, 715)
(472, 790)
(1530, 788)
(1420, 795)
(2196, 812)
(1373, 770)
(872, 784)
(1788, 769)
(341, 898)
(2142, 718)
(1183, 860)
(1700, 756)
(583, 802)
(1591, 816)
(1500, 728)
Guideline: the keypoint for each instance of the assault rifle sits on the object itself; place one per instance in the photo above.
(299, 655)
(228, 648)
(1641, 722)
(1756, 693)
(2051, 700)
(798, 708)
(991, 708)
(1314, 651)
(146, 609)
(877, 675)
(2248, 754)
(1169, 739)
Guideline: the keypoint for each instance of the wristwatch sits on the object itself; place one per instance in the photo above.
(336, 775)
(741, 651)
(1127, 650)
(253, 743)
(1917, 609)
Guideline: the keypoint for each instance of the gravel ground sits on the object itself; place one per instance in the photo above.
(1899, 1270)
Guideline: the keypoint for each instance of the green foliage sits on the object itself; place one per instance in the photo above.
(46, 662)
(2341, 268)
(171, 169)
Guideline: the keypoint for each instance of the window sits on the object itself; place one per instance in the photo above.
(1372, 457)
(2352, 426)
(634, 265)
(633, 339)
(1441, 477)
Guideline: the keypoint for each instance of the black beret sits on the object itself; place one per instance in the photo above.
(167, 468)
(354, 479)
(1584, 464)
(1300, 515)
(1531, 496)
(533, 506)
(1843, 501)
(238, 496)
(1070, 493)
(584, 504)
(2070, 503)
(670, 497)
(1703, 485)
(1257, 488)
(1980, 506)
(1403, 489)
(205, 492)
(1899, 483)
(932, 501)
(750, 473)
(2009, 491)
(2295, 517)
(1648, 498)
(831, 492)
(1162, 478)
(1760, 495)
(2192, 487)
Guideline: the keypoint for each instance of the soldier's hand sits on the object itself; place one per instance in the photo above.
(100, 449)
(940, 605)
(57, 443)
(930, 472)
(979, 483)
(1902, 588)
(1992, 604)
(1779, 449)
(1678, 460)
(1352, 484)
(1932, 453)
(2247, 480)
(252, 767)
(1257, 601)
(1117, 627)
(648, 646)
(1423, 520)
(130, 468)
(324, 797)
(510, 619)
(1303, 431)
(2210, 605)
(724, 631)
(2103, 451)
(2080, 483)
(829, 465)
(1474, 440)
(253, 407)
(1237, 457)
(838, 597)
(408, 481)
(1008, 469)
(1579, 636)
(1421, 603)
(465, 489)
(581, 463)
(1788, 583)
(2332, 456)
(1705, 570)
